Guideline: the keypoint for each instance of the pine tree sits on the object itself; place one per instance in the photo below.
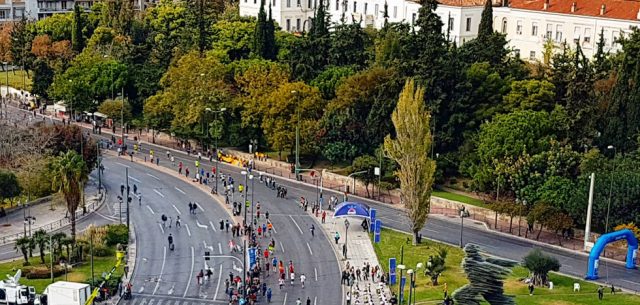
(320, 26)
(622, 116)
(77, 39)
(270, 39)
(486, 21)
(580, 101)
(385, 14)
(601, 63)
(260, 33)
(432, 49)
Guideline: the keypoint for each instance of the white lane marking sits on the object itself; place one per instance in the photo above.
(200, 225)
(134, 179)
(193, 258)
(274, 229)
(215, 296)
(164, 258)
(127, 166)
(316, 272)
(315, 300)
(150, 175)
(159, 194)
(179, 190)
(199, 206)
(630, 282)
(151, 210)
(285, 299)
(282, 247)
(297, 226)
(176, 208)
(220, 248)
(151, 302)
(309, 247)
(212, 226)
(188, 231)
(161, 228)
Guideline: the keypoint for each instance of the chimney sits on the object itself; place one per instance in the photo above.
(573, 7)
(603, 9)
(546, 5)
(638, 16)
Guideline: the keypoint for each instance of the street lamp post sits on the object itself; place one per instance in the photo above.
(411, 283)
(99, 167)
(252, 184)
(244, 195)
(615, 152)
(346, 238)
(401, 267)
(463, 213)
(354, 183)
(418, 267)
(216, 143)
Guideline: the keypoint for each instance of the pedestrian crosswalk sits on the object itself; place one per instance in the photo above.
(147, 299)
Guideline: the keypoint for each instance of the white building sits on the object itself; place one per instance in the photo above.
(529, 23)
(11, 10)
(461, 16)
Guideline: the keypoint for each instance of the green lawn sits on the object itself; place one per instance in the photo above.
(81, 273)
(562, 294)
(460, 198)
(16, 80)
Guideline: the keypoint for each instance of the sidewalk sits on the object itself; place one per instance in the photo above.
(360, 252)
(45, 216)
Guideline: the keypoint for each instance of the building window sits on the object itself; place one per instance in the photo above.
(298, 28)
(288, 25)
(587, 35)
(298, 3)
(534, 29)
(337, 5)
(549, 34)
(64, 5)
(576, 34)
(309, 5)
(355, 6)
(504, 25)
(413, 18)
(605, 35)
(532, 55)
(3, 14)
(375, 10)
(468, 24)
(344, 6)
(450, 25)
(288, 3)
(614, 37)
(255, 1)
(395, 12)
(516, 52)
(558, 33)
(519, 27)
(366, 6)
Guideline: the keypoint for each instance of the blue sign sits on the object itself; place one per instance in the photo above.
(252, 257)
(403, 281)
(392, 271)
(372, 220)
(378, 228)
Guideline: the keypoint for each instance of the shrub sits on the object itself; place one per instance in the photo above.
(117, 234)
(103, 251)
(42, 272)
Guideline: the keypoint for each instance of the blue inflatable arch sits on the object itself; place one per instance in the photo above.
(594, 255)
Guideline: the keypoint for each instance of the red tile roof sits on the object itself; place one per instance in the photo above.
(462, 2)
(616, 9)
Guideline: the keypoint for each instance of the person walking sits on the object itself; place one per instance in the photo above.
(324, 216)
(308, 301)
(312, 229)
(269, 295)
(298, 302)
(531, 288)
(178, 221)
(600, 292)
(303, 278)
(336, 237)
(199, 277)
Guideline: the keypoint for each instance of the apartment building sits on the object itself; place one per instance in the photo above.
(11, 10)
(529, 23)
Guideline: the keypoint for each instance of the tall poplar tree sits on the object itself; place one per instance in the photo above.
(77, 39)
(260, 33)
(270, 39)
(410, 149)
(486, 21)
(580, 100)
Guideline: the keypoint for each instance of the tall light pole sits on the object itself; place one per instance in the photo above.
(252, 183)
(401, 267)
(297, 165)
(346, 238)
(244, 195)
(411, 283)
(463, 213)
(99, 167)
(216, 142)
(615, 152)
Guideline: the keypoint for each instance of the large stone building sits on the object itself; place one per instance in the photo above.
(527, 23)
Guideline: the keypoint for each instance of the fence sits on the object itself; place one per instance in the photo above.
(55, 225)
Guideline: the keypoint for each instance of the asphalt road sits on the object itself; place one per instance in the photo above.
(165, 275)
(442, 229)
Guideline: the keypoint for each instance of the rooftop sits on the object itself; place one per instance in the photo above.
(615, 9)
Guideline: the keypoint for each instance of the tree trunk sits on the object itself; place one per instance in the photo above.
(41, 253)
(25, 254)
(72, 216)
(538, 236)
(510, 224)
(434, 280)
(366, 187)
(495, 222)
(415, 237)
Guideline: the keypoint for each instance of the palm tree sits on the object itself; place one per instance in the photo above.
(41, 238)
(23, 244)
(69, 172)
(66, 242)
(57, 242)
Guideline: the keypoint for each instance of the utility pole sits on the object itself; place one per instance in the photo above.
(122, 119)
(126, 170)
(297, 165)
(99, 167)
(587, 226)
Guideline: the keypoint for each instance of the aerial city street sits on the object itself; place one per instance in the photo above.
(312, 152)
